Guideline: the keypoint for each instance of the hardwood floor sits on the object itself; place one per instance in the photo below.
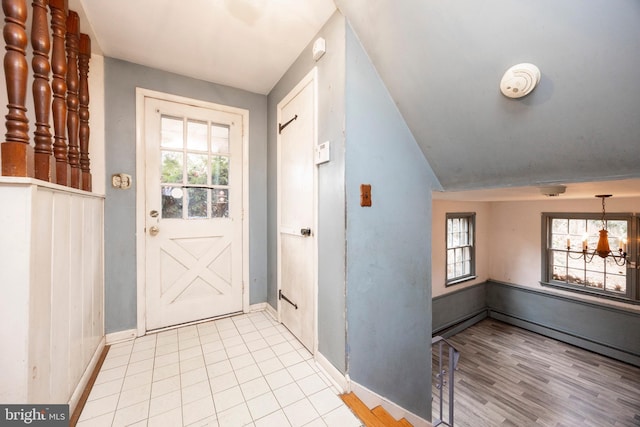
(508, 376)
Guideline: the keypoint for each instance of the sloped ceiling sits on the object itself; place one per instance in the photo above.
(442, 62)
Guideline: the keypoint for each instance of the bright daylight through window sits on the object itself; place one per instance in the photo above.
(569, 260)
(460, 247)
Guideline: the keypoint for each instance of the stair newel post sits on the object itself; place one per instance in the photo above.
(83, 65)
(41, 44)
(17, 154)
(58, 10)
(73, 38)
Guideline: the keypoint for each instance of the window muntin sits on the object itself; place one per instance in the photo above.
(195, 161)
(460, 247)
(564, 263)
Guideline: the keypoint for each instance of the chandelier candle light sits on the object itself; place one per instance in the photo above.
(603, 250)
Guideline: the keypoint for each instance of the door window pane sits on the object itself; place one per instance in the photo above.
(171, 132)
(197, 199)
(219, 139)
(171, 202)
(172, 164)
(219, 170)
(220, 203)
(197, 169)
(197, 136)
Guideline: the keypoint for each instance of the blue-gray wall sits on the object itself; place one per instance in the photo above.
(121, 80)
(456, 310)
(597, 326)
(388, 244)
(331, 209)
(443, 60)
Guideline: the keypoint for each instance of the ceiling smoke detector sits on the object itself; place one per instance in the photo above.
(520, 80)
(552, 190)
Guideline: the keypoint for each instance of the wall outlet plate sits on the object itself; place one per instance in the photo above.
(121, 181)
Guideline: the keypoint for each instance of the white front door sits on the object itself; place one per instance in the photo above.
(193, 213)
(296, 211)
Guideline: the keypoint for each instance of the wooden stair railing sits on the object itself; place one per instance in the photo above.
(41, 44)
(376, 417)
(17, 154)
(69, 88)
(83, 64)
(59, 85)
(73, 40)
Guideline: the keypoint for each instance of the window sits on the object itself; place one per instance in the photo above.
(460, 247)
(195, 168)
(565, 265)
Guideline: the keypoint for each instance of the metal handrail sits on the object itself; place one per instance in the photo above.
(454, 356)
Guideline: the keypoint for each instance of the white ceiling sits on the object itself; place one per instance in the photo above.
(576, 190)
(201, 38)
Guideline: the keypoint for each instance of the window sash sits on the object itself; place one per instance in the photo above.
(460, 252)
(567, 269)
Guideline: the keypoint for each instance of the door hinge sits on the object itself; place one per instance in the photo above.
(281, 296)
(282, 126)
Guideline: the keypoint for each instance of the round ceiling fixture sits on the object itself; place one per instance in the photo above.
(552, 190)
(519, 80)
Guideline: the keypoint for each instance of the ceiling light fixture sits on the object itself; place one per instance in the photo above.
(602, 249)
(552, 190)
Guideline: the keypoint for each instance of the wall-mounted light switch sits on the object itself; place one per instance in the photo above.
(365, 194)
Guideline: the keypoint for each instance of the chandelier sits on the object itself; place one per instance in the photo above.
(602, 249)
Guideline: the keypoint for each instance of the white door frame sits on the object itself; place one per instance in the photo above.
(311, 77)
(141, 94)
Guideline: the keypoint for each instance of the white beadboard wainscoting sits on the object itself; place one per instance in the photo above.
(52, 281)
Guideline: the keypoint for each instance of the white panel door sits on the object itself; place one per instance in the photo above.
(193, 213)
(296, 213)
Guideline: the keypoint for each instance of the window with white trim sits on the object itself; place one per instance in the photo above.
(460, 247)
(569, 261)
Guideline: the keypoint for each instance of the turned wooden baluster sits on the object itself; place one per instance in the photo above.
(73, 39)
(83, 65)
(41, 89)
(16, 152)
(58, 10)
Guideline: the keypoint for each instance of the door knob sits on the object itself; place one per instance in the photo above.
(154, 230)
(305, 231)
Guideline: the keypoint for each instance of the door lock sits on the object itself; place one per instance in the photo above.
(305, 231)
(154, 230)
(153, 214)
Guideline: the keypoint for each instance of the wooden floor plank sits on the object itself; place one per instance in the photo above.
(361, 410)
(509, 376)
(385, 417)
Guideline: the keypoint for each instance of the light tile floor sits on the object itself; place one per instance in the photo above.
(245, 370)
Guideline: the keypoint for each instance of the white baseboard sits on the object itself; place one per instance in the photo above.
(339, 380)
(272, 311)
(84, 379)
(120, 336)
(372, 399)
(261, 306)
